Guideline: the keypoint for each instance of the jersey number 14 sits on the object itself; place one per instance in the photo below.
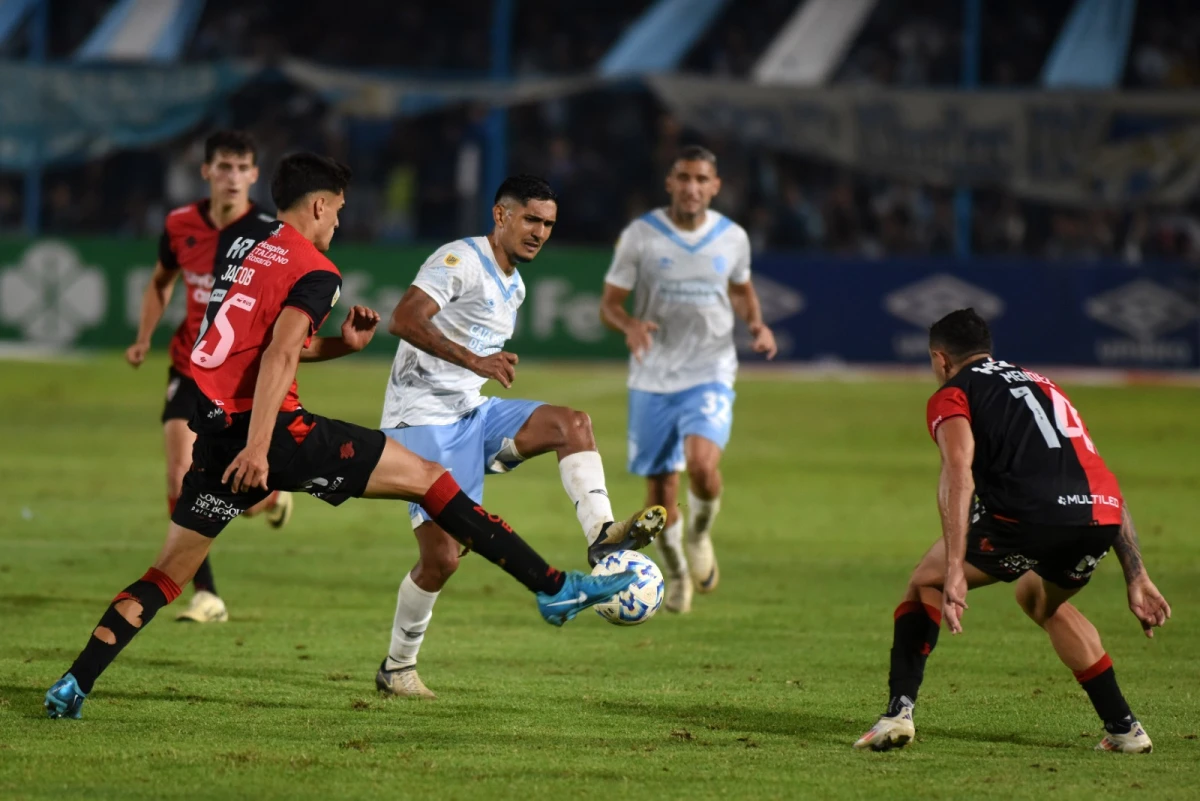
(1068, 421)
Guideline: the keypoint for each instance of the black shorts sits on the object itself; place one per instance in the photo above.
(329, 459)
(183, 397)
(1062, 555)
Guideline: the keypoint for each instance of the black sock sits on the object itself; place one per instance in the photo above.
(1100, 683)
(914, 637)
(153, 591)
(489, 536)
(203, 579)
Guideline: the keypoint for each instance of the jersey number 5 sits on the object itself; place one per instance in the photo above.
(1064, 413)
(220, 351)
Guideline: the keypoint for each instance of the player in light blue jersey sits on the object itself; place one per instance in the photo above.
(688, 269)
(454, 322)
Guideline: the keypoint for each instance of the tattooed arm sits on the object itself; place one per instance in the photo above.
(1128, 549)
(1145, 601)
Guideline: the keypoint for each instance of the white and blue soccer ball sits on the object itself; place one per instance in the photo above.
(641, 599)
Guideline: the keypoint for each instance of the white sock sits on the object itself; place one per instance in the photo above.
(414, 608)
(670, 547)
(583, 479)
(701, 514)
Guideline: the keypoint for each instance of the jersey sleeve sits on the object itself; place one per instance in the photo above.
(947, 402)
(315, 294)
(624, 268)
(166, 255)
(739, 273)
(448, 273)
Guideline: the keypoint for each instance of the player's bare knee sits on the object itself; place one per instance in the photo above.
(429, 472)
(105, 635)
(579, 430)
(705, 478)
(437, 566)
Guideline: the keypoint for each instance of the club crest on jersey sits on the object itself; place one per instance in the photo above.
(665, 262)
(720, 264)
(451, 260)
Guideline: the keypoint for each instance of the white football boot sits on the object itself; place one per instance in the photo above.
(205, 608)
(678, 596)
(1135, 741)
(403, 683)
(896, 731)
(702, 562)
(279, 514)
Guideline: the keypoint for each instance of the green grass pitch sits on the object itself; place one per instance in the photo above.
(758, 694)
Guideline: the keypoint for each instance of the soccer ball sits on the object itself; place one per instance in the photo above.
(641, 600)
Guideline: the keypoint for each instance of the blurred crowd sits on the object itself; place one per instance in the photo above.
(607, 151)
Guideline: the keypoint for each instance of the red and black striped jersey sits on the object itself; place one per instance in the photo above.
(1035, 461)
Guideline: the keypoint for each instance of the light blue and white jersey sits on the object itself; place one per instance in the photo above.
(680, 280)
(477, 309)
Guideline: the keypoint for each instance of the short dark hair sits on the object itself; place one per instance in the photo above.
(301, 173)
(524, 188)
(695, 153)
(961, 334)
(237, 142)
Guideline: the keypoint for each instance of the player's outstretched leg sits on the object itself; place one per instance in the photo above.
(568, 433)
(402, 474)
(1078, 645)
(130, 611)
(916, 624)
(704, 501)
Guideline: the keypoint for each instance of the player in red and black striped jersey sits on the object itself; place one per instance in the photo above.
(1024, 496)
(273, 289)
(192, 238)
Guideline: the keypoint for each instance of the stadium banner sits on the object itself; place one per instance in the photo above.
(86, 293)
(1080, 148)
(1043, 313)
(63, 114)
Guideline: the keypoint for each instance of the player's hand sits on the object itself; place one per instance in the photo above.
(135, 354)
(359, 327)
(637, 337)
(764, 340)
(1147, 604)
(501, 366)
(248, 469)
(954, 598)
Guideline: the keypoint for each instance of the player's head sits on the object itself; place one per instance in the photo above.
(525, 211)
(309, 191)
(230, 166)
(692, 181)
(956, 338)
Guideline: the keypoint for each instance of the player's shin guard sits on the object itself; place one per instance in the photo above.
(914, 637)
(489, 536)
(1100, 683)
(152, 591)
(583, 478)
